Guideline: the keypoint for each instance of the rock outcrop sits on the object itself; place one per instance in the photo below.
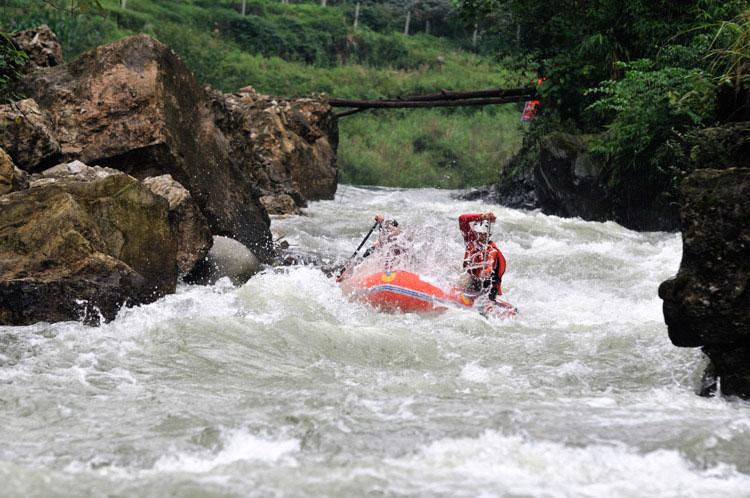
(134, 106)
(11, 178)
(41, 45)
(560, 175)
(25, 133)
(188, 223)
(707, 304)
(570, 181)
(567, 178)
(79, 245)
(79, 241)
(289, 146)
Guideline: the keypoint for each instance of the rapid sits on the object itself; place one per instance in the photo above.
(282, 387)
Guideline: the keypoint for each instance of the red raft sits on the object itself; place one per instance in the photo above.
(406, 292)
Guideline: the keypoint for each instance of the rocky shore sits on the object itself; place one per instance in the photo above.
(119, 168)
(707, 304)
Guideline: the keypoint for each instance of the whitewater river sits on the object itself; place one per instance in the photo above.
(280, 387)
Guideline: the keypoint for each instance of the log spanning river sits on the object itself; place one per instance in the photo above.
(281, 387)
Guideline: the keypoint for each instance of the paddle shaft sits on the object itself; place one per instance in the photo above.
(364, 240)
(344, 268)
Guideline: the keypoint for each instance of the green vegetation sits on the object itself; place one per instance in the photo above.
(412, 148)
(11, 62)
(304, 49)
(643, 75)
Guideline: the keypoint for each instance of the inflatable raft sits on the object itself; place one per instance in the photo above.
(403, 291)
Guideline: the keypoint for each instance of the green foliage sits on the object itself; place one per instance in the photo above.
(730, 52)
(78, 24)
(649, 111)
(642, 74)
(12, 61)
(413, 148)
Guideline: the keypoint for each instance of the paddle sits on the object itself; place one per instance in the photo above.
(358, 248)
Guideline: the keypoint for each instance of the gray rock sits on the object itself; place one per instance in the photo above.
(227, 258)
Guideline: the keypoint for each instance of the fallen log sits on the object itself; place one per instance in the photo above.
(394, 104)
(526, 92)
(444, 98)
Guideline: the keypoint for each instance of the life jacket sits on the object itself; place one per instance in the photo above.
(486, 265)
(482, 260)
(531, 107)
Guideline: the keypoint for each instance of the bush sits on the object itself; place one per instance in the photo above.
(650, 110)
(12, 61)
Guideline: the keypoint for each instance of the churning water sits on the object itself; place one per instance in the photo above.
(281, 387)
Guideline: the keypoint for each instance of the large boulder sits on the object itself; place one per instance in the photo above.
(133, 105)
(73, 247)
(569, 180)
(25, 133)
(188, 223)
(41, 45)
(708, 303)
(226, 258)
(11, 178)
(289, 146)
(719, 146)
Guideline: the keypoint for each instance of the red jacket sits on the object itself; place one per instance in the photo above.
(482, 261)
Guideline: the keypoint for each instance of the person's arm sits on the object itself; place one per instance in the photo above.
(464, 224)
(465, 221)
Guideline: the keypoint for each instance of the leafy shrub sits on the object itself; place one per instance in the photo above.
(12, 61)
(650, 110)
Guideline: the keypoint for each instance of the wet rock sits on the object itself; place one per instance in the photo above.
(25, 133)
(188, 223)
(11, 178)
(288, 146)
(487, 194)
(567, 178)
(226, 258)
(722, 146)
(41, 45)
(516, 188)
(279, 204)
(570, 181)
(134, 106)
(72, 249)
(707, 304)
(74, 170)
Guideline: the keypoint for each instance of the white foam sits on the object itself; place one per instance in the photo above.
(473, 372)
(516, 465)
(238, 446)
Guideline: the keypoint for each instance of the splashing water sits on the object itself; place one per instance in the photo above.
(281, 387)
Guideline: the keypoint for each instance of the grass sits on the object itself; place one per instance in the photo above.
(416, 148)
